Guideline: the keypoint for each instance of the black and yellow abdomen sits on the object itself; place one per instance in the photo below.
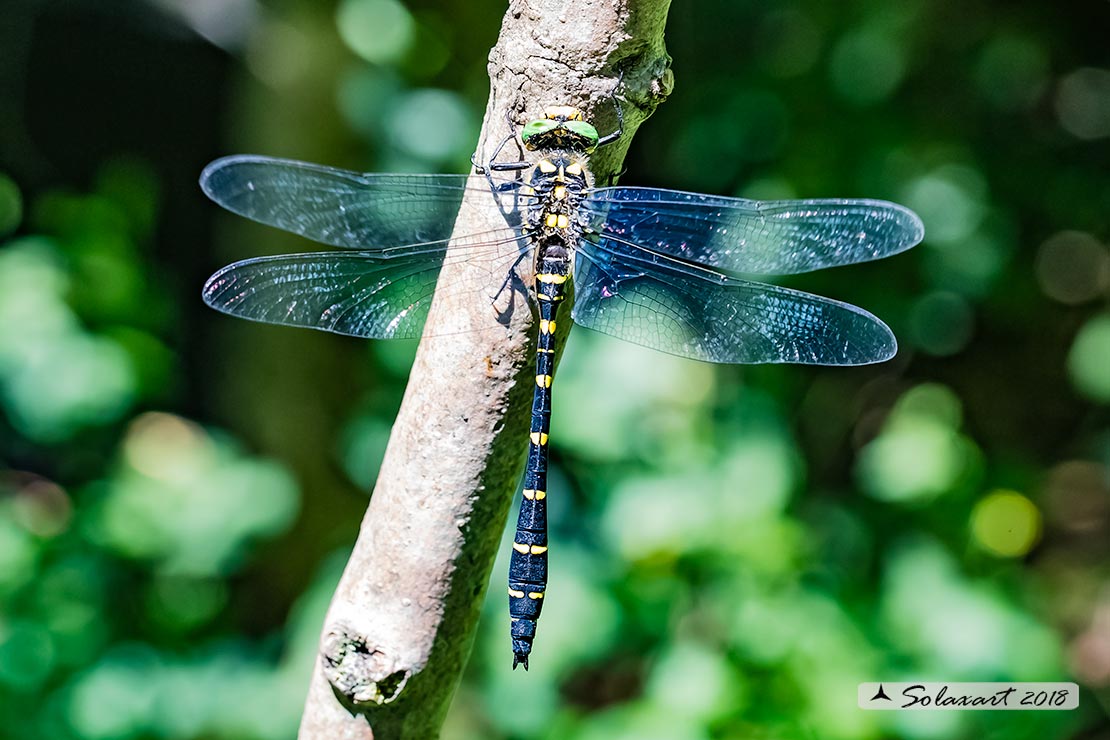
(528, 564)
(558, 182)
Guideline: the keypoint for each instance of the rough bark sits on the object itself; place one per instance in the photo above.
(403, 617)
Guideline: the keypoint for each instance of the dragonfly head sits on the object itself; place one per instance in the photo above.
(561, 127)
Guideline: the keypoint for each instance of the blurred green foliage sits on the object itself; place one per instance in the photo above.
(734, 548)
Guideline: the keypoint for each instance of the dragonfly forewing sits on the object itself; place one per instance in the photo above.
(743, 236)
(389, 214)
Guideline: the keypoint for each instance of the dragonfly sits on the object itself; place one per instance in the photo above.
(666, 269)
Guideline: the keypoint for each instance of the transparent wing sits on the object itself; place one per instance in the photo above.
(717, 318)
(382, 213)
(343, 292)
(361, 294)
(736, 235)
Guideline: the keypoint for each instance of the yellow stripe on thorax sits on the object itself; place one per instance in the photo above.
(556, 221)
(568, 112)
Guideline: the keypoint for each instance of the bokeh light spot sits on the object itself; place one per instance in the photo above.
(364, 95)
(18, 553)
(941, 322)
(919, 454)
(930, 401)
(433, 125)
(867, 66)
(279, 54)
(379, 31)
(691, 680)
(1077, 497)
(116, 696)
(914, 460)
(617, 423)
(1006, 523)
(27, 655)
(1073, 267)
(950, 201)
(40, 506)
(189, 499)
(960, 627)
(1083, 103)
(1012, 71)
(166, 447)
(1089, 359)
(181, 603)
(68, 382)
(32, 286)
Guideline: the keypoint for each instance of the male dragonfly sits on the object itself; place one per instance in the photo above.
(661, 268)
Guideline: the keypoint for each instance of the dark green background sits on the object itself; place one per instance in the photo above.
(735, 548)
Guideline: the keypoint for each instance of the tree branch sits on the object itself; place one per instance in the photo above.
(403, 617)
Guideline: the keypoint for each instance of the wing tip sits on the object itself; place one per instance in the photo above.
(915, 227)
(213, 287)
(911, 224)
(217, 166)
(883, 345)
(875, 341)
(888, 351)
(222, 165)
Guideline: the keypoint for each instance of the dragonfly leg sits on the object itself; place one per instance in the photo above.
(612, 179)
(613, 136)
(492, 166)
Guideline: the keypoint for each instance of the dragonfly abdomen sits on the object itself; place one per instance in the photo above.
(528, 565)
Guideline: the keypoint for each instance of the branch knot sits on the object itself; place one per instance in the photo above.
(360, 673)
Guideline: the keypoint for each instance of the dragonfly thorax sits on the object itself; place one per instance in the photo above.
(559, 184)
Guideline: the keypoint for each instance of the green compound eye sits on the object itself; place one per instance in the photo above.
(536, 128)
(583, 129)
